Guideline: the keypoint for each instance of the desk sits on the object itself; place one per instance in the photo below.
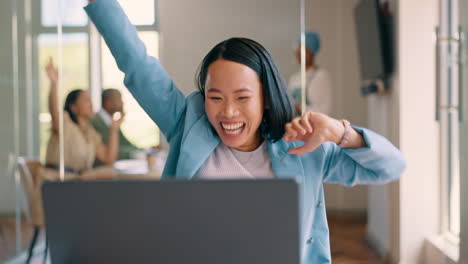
(135, 169)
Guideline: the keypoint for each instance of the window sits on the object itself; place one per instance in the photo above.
(448, 113)
(78, 53)
(112, 77)
(140, 12)
(69, 15)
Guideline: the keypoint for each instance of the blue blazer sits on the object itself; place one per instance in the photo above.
(184, 123)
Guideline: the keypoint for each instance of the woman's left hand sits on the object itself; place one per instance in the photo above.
(313, 129)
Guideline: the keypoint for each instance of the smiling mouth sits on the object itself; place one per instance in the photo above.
(233, 128)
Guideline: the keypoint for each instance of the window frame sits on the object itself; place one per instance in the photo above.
(449, 73)
(94, 59)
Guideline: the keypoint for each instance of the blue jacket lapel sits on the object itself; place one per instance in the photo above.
(196, 148)
(284, 165)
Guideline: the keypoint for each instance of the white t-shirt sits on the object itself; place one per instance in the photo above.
(318, 90)
(228, 163)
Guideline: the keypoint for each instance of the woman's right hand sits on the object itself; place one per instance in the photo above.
(117, 122)
(52, 72)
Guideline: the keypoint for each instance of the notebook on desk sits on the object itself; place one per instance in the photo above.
(174, 222)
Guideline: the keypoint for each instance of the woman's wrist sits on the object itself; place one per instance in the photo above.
(337, 131)
(347, 130)
(114, 128)
(350, 138)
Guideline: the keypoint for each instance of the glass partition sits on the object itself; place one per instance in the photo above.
(54, 38)
(334, 82)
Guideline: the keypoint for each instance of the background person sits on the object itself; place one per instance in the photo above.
(82, 144)
(111, 104)
(319, 90)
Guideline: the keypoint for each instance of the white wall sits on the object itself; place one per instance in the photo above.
(383, 117)
(418, 129)
(407, 214)
(405, 115)
(191, 28)
(334, 21)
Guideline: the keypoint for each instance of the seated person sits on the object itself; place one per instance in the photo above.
(82, 144)
(111, 104)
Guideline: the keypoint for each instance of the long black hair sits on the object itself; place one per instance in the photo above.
(71, 99)
(279, 106)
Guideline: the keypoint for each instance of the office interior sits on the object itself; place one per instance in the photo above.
(422, 109)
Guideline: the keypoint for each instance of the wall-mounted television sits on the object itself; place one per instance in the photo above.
(374, 27)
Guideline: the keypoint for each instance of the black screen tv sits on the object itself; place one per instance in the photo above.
(374, 40)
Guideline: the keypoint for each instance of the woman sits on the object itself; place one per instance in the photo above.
(240, 121)
(82, 144)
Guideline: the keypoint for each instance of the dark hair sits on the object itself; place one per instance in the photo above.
(72, 97)
(279, 104)
(108, 93)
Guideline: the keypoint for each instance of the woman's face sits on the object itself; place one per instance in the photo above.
(83, 107)
(234, 104)
(309, 56)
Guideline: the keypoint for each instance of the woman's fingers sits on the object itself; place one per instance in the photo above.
(290, 132)
(293, 131)
(307, 128)
(310, 145)
(296, 125)
(305, 122)
(51, 71)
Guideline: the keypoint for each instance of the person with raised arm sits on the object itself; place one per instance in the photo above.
(82, 144)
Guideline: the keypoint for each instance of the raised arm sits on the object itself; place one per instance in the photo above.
(108, 154)
(53, 104)
(145, 78)
(352, 155)
(378, 162)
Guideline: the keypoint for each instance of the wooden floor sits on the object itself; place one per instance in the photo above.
(348, 241)
(347, 237)
(8, 237)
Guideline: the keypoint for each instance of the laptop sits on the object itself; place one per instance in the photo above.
(176, 222)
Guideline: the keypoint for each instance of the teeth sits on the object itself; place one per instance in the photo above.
(235, 126)
(233, 132)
